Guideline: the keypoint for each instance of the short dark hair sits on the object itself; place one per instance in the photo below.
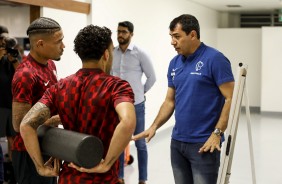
(127, 24)
(43, 25)
(92, 41)
(3, 31)
(188, 22)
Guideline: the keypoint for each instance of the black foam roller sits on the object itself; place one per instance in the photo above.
(82, 149)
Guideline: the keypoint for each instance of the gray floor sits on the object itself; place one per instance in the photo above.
(267, 145)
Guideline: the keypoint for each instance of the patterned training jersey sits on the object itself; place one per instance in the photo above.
(85, 102)
(30, 81)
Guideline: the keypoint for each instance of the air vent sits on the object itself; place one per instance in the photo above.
(233, 6)
(259, 20)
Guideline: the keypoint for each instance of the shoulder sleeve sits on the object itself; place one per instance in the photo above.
(221, 69)
(170, 72)
(23, 85)
(122, 92)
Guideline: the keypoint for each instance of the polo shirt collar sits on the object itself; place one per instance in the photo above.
(196, 53)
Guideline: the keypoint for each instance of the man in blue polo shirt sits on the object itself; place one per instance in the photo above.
(200, 88)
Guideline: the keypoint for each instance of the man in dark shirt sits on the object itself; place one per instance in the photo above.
(8, 64)
(90, 101)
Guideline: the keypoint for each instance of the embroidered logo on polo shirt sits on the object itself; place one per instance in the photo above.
(173, 73)
(198, 67)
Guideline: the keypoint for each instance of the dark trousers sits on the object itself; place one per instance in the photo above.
(191, 167)
(1, 166)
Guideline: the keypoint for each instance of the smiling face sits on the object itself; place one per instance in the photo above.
(183, 43)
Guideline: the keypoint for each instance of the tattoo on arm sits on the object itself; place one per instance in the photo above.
(37, 115)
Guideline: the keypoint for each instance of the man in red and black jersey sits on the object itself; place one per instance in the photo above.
(30, 81)
(90, 101)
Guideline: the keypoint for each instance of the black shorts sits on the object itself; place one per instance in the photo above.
(25, 171)
(6, 125)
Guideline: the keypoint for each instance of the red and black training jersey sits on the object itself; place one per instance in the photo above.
(86, 103)
(30, 81)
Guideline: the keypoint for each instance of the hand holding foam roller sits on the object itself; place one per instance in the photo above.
(81, 149)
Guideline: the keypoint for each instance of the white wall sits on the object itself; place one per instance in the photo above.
(16, 19)
(244, 46)
(151, 20)
(271, 83)
(71, 23)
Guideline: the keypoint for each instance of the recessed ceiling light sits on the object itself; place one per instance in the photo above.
(234, 6)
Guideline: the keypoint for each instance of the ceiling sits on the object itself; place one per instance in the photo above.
(246, 5)
(220, 5)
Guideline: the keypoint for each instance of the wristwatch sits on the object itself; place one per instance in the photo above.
(218, 132)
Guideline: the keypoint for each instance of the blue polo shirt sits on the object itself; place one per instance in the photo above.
(198, 100)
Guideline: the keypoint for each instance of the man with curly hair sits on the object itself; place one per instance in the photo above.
(90, 101)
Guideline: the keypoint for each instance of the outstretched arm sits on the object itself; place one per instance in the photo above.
(163, 116)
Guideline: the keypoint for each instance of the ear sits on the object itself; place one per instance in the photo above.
(193, 34)
(106, 55)
(39, 43)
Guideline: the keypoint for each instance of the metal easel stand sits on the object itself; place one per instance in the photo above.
(231, 131)
(248, 115)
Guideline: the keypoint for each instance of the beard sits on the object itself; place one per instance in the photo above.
(57, 59)
(123, 41)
